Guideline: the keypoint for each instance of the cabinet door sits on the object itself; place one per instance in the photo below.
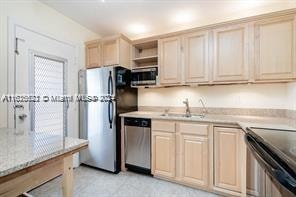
(227, 160)
(170, 60)
(255, 177)
(93, 55)
(194, 160)
(275, 49)
(196, 57)
(163, 154)
(110, 52)
(231, 54)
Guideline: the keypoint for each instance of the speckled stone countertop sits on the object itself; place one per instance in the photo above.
(19, 150)
(241, 121)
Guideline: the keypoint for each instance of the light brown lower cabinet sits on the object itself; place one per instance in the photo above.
(181, 154)
(189, 153)
(228, 160)
(194, 160)
(255, 177)
(163, 154)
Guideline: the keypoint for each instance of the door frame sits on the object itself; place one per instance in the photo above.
(11, 71)
(33, 53)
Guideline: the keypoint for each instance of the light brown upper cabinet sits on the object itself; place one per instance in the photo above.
(93, 54)
(227, 158)
(230, 53)
(170, 60)
(194, 155)
(108, 51)
(196, 57)
(275, 43)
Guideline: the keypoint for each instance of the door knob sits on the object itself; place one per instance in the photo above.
(23, 116)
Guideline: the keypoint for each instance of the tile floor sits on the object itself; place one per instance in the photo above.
(89, 182)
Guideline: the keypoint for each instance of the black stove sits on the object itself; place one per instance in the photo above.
(275, 150)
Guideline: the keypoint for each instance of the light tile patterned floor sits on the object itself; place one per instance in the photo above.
(89, 182)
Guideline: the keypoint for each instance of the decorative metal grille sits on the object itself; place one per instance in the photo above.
(48, 76)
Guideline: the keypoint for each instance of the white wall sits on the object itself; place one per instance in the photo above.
(275, 96)
(42, 19)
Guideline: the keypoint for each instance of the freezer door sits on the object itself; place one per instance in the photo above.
(108, 81)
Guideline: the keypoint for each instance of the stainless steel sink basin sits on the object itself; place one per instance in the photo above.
(182, 115)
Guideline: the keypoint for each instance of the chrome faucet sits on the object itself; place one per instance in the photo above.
(188, 113)
(204, 109)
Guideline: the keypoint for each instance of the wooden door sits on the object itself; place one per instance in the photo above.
(194, 160)
(230, 53)
(170, 60)
(227, 158)
(93, 55)
(275, 49)
(163, 154)
(110, 52)
(196, 57)
(255, 177)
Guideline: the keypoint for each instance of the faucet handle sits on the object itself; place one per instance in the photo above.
(166, 110)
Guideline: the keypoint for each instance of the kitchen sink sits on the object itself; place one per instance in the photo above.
(182, 115)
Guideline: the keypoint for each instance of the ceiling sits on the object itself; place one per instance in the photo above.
(143, 18)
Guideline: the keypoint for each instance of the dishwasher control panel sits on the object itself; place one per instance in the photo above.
(137, 122)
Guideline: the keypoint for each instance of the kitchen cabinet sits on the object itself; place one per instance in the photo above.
(93, 54)
(193, 159)
(196, 57)
(163, 149)
(110, 52)
(230, 53)
(170, 60)
(114, 50)
(180, 152)
(228, 161)
(274, 48)
(255, 177)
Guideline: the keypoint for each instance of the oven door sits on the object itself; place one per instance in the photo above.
(272, 163)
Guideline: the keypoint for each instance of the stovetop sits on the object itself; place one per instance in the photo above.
(282, 142)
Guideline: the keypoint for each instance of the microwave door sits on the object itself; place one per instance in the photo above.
(144, 76)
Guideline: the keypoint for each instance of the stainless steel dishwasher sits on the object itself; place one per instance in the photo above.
(138, 144)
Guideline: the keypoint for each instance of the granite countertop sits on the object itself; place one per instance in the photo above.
(241, 121)
(19, 150)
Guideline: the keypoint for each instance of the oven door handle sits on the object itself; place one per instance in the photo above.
(271, 165)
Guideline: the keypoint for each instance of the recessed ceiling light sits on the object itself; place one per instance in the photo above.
(103, 1)
(184, 17)
(137, 28)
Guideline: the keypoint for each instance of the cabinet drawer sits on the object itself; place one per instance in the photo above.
(163, 126)
(191, 128)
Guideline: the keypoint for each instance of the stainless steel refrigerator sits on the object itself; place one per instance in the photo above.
(100, 121)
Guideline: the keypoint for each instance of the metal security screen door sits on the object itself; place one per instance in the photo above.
(47, 83)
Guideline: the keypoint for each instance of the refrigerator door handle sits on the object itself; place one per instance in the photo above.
(110, 113)
(110, 84)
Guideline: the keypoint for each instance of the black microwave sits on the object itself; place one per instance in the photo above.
(144, 76)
